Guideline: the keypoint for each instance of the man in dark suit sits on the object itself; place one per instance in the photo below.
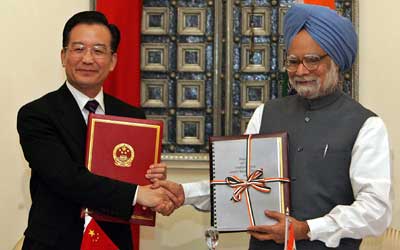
(52, 132)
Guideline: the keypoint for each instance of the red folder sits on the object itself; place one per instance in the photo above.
(123, 148)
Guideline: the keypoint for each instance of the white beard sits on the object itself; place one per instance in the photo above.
(314, 90)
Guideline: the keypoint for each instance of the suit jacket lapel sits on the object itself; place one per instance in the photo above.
(71, 116)
(110, 108)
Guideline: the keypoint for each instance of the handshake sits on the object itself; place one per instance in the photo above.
(162, 196)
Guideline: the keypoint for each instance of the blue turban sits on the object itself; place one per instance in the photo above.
(334, 33)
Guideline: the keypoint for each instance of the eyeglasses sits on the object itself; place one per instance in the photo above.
(311, 62)
(78, 50)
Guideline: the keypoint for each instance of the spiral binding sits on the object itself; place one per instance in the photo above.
(214, 193)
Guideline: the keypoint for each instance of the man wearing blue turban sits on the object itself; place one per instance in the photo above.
(338, 150)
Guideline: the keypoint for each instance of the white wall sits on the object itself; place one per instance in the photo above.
(379, 36)
(30, 43)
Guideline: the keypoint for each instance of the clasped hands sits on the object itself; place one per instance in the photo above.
(162, 196)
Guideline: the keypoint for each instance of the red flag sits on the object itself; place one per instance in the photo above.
(94, 238)
(327, 3)
(290, 243)
(124, 81)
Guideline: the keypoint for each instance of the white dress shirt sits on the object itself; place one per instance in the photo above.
(81, 99)
(370, 176)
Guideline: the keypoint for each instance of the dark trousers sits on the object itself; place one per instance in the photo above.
(120, 234)
(30, 244)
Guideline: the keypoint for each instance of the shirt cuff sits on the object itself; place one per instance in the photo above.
(197, 194)
(194, 190)
(324, 229)
(134, 198)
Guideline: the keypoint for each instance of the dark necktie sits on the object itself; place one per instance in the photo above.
(91, 106)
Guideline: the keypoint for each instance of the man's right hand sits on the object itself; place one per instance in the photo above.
(175, 191)
(155, 198)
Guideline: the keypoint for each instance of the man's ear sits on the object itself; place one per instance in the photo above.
(114, 59)
(63, 55)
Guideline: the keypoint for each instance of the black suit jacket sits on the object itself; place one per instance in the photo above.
(53, 136)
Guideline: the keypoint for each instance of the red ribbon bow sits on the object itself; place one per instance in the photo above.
(253, 180)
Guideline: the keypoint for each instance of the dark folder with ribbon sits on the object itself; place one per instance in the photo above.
(249, 174)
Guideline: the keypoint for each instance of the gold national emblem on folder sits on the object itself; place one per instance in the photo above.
(123, 155)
